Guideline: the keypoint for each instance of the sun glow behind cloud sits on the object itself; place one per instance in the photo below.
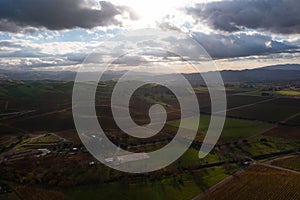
(35, 43)
(152, 12)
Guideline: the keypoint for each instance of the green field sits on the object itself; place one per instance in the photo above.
(190, 159)
(233, 128)
(287, 93)
(45, 139)
(262, 145)
(177, 187)
(31, 90)
(40, 96)
(272, 93)
(252, 93)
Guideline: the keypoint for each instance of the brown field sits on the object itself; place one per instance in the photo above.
(52, 121)
(203, 99)
(29, 193)
(234, 101)
(273, 111)
(291, 162)
(70, 135)
(294, 121)
(259, 182)
(286, 132)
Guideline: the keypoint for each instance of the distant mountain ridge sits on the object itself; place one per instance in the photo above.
(289, 72)
(283, 67)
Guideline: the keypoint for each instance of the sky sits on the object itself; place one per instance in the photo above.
(59, 34)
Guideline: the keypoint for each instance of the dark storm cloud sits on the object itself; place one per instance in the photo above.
(57, 14)
(239, 45)
(278, 16)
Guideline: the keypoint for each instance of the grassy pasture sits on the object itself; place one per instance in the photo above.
(262, 145)
(178, 187)
(40, 96)
(30, 90)
(190, 159)
(45, 139)
(291, 93)
(287, 93)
